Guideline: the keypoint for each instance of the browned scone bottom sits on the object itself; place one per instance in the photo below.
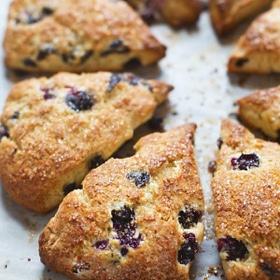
(76, 36)
(258, 50)
(261, 110)
(228, 14)
(177, 13)
(246, 190)
(53, 131)
(137, 218)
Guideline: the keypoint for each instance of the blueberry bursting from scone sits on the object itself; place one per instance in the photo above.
(54, 131)
(246, 194)
(77, 36)
(135, 218)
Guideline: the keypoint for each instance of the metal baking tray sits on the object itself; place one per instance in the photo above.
(204, 93)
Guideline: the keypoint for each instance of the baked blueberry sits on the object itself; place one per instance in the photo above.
(29, 62)
(116, 46)
(245, 161)
(189, 217)
(79, 100)
(124, 251)
(235, 249)
(114, 80)
(102, 244)
(47, 93)
(139, 178)
(3, 131)
(188, 249)
(45, 51)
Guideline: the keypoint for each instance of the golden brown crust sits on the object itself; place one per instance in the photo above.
(227, 14)
(50, 144)
(276, 3)
(177, 13)
(261, 110)
(84, 216)
(247, 204)
(77, 36)
(258, 50)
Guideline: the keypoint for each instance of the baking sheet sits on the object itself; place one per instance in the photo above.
(196, 65)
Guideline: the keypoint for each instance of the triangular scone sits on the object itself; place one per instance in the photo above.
(53, 131)
(76, 36)
(227, 14)
(177, 13)
(262, 110)
(258, 50)
(136, 218)
(246, 190)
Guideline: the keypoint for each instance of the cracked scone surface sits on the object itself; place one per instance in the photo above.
(261, 110)
(228, 14)
(246, 190)
(258, 50)
(177, 13)
(76, 36)
(53, 131)
(136, 218)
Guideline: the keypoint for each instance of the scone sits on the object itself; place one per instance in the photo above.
(276, 3)
(76, 36)
(258, 50)
(246, 190)
(53, 131)
(177, 13)
(227, 14)
(137, 218)
(261, 110)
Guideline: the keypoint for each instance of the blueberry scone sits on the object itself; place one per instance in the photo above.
(137, 218)
(246, 190)
(177, 13)
(258, 50)
(227, 14)
(261, 110)
(76, 36)
(53, 131)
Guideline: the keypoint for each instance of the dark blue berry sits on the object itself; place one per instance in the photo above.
(124, 251)
(188, 249)
(212, 166)
(235, 249)
(3, 131)
(220, 143)
(139, 178)
(189, 217)
(86, 56)
(116, 46)
(79, 100)
(70, 187)
(45, 51)
(114, 80)
(102, 244)
(245, 162)
(125, 226)
(15, 115)
(241, 62)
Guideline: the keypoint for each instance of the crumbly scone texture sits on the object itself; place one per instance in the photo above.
(228, 14)
(54, 130)
(77, 36)
(247, 206)
(177, 13)
(261, 110)
(258, 50)
(72, 241)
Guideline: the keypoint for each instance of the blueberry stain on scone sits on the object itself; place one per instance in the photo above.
(48, 93)
(125, 226)
(4, 132)
(115, 79)
(245, 162)
(29, 62)
(189, 217)
(188, 249)
(235, 249)
(139, 178)
(45, 51)
(79, 100)
(34, 16)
